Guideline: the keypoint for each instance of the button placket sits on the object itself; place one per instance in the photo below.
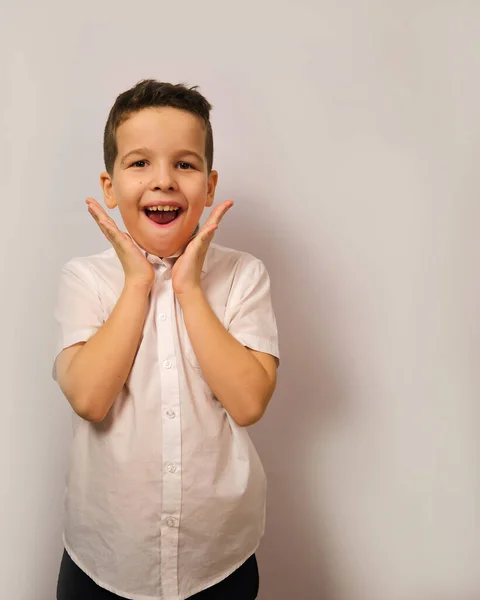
(171, 440)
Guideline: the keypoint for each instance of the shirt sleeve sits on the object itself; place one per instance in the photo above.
(78, 312)
(250, 316)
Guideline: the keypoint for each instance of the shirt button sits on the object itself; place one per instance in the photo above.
(163, 317)
(167, 364)
(170, 413)
(171, 468)
(170, 522)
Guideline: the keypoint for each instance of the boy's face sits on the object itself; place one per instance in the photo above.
(160, 160)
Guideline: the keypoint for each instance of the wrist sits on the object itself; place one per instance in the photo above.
(138, 286)
(192, 297)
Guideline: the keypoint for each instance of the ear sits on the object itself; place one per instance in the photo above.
(107, 187)
(212, 184)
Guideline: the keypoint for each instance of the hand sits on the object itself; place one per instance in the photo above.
(187, 269)
(135, 265)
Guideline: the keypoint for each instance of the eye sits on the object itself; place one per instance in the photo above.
(139, 163)
(185, 165)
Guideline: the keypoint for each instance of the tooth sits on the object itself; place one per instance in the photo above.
(163, 208)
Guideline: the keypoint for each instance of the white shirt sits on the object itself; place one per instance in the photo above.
(166, 496)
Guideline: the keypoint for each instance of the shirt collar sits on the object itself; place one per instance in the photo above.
(169, 261)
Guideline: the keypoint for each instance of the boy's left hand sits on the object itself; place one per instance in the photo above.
(188, 267)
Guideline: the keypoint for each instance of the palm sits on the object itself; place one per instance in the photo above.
(134, 263)
(188, 267)
(184, 272)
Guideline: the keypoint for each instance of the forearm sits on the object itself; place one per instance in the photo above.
(235, 376)
(99, 370)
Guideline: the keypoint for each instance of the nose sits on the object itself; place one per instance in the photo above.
(163, 179)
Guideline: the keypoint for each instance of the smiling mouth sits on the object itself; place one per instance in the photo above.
(163, 217)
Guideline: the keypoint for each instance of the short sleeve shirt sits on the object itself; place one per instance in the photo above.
(166, 496)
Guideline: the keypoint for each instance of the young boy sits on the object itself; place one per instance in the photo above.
(168, 350)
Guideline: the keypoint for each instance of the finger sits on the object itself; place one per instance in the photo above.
(108, 227)
(218, 213)
(202, 240)
(93, 203)
(209, 232)
(99, 214)
(118, 239)
(96, 208)
(103, 220)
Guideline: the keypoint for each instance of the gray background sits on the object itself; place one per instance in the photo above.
(347, 132)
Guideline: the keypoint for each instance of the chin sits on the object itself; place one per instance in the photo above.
(164, 243)
(164, 249)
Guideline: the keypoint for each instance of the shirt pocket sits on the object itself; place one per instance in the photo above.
(219, 310)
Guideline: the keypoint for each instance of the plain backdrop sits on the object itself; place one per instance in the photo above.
(348, 134)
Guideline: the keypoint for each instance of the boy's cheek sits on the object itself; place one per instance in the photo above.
(130, 193)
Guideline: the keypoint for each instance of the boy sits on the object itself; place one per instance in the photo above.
(168, 350)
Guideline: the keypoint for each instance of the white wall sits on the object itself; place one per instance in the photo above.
(349, 135)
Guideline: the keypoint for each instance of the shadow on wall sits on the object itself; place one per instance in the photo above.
(296, 556)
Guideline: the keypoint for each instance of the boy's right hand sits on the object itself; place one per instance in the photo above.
(137, 269)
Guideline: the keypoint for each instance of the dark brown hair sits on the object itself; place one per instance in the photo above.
(150, 93)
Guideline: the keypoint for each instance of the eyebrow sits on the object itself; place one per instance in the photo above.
(136, 151)
(191, 153)
(147, 151)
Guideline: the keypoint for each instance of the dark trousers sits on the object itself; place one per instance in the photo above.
(74, 584)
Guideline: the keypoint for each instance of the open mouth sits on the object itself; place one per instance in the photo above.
(163, 215)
